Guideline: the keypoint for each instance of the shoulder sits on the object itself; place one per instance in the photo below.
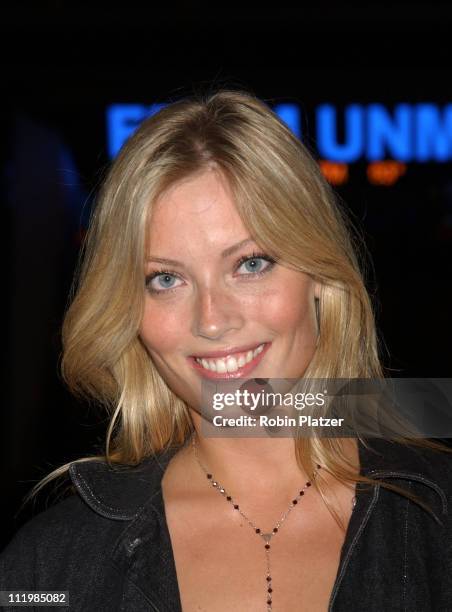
(83, 527)
(415, 458)
(61, 516)
(50, 541)
(427, 471)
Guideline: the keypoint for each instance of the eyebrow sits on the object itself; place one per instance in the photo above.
(226, 253)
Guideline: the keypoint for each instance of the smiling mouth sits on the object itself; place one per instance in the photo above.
(232, 365)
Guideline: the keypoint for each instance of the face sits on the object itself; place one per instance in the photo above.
(221, 308)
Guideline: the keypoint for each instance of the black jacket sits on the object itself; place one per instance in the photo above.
(108, 544)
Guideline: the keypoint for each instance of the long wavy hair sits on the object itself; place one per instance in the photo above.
(288, 208)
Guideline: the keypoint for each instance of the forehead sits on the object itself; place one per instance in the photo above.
(200, 207)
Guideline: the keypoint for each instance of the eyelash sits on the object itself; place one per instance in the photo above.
(239, 263)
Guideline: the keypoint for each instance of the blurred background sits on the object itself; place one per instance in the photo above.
(366, 86)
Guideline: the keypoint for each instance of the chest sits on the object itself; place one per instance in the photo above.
(222, 564)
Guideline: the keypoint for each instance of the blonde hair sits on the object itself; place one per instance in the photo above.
(289, 209)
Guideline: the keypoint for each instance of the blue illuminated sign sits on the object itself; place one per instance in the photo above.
(327, 145)
(433, 138)
(291, 115)
(123, 120)
(408, 132)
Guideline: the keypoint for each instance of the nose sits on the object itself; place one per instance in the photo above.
(216, 312)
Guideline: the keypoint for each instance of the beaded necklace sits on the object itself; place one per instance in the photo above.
(265, 536)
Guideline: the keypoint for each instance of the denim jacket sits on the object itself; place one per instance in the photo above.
(108, 542)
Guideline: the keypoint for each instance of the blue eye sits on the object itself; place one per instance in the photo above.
(256, 263)
(165, 281)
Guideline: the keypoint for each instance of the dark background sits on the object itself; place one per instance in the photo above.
(65, 62)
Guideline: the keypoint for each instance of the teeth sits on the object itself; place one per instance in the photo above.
(231, 364)
(221, 366)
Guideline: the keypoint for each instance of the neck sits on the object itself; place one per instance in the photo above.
(262, 465)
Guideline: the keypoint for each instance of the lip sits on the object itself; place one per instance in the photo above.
(241, 372)
(228, 352)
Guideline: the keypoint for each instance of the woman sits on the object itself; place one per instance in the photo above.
(217, 252)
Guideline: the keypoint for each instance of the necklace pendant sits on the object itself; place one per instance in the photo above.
(266, 536)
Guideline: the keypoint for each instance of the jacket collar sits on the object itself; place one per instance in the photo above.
(121, 492)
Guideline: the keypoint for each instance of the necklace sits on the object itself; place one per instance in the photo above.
(265, 536)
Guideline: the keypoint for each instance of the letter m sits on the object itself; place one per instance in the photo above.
(433, 133)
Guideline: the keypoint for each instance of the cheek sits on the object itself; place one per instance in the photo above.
(160, 328)
(288, 306)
